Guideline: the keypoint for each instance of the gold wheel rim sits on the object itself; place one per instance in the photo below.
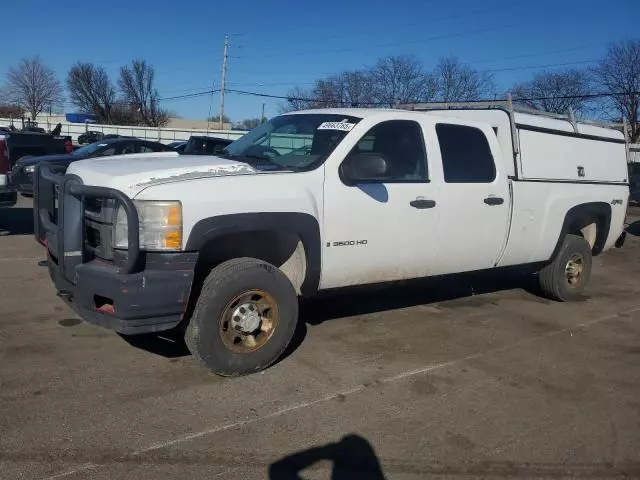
(248, 321)
(574, 269)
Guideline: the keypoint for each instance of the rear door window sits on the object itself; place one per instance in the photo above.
(466, 155)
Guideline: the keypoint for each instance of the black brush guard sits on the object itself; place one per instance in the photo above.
(59, 220)
(140, 292)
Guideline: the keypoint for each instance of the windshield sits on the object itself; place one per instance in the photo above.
(88, 149)
(294, 142)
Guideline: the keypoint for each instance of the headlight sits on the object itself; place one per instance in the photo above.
(29, 168)
(160, 225)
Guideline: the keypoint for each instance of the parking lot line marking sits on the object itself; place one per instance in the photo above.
(341, 394)
(21, 259)
(82, 468)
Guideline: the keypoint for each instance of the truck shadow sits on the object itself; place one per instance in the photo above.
(349, 302)
(385, 297)
(364, 300)
(16, 221)
(168, 344)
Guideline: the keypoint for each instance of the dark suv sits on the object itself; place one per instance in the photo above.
(203, 145)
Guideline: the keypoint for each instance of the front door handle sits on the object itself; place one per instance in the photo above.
(494, 200)
(422, 203)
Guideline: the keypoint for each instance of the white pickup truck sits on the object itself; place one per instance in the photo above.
(222, 246)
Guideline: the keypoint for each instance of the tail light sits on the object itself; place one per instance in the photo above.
(68, 146)
(5, 166)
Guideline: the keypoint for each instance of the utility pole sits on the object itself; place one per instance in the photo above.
(262, 116)
(223, 81)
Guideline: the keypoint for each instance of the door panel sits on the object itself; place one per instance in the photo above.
(386, 230)
(475, 206)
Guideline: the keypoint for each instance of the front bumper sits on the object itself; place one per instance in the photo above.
(150, 300)
(134, 292)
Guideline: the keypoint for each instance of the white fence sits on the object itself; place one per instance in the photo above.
(634, 150)
(164, 135)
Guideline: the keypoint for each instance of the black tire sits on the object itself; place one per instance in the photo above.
(554, 280)
(227, 281)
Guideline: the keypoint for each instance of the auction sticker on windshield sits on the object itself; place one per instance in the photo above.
(342, 126)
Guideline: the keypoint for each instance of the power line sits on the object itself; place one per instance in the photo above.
(260, 84)
(211, 91)
(420, 23)
(190, 95)
(521, 99)
(396, 44)
(583, 62)
(537, 54)
(198, 92)
(497, 59)
(181, 90)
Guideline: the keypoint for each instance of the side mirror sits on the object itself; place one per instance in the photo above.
(363, 167)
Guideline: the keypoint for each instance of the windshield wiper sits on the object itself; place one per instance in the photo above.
(266, 162)
(257, 157)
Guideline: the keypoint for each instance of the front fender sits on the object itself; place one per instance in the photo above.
(305, 226)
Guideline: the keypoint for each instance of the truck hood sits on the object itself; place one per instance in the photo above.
(133, 173)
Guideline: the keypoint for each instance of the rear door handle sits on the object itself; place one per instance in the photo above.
(494, 200)
(422, 203)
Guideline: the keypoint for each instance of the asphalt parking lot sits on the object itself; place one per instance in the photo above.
(474, 379)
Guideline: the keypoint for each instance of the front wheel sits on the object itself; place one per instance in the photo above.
(565, 278)
(244, 318)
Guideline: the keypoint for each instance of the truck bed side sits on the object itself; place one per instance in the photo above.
(540, 209)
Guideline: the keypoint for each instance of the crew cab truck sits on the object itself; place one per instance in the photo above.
(222, 246)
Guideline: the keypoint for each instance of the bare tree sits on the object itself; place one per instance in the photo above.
(393, 80)
(458, 82)
(618, 73)
(296, 100)
(123, 113)
(91, 90)
(556, 92)
(11, 111)
(401, 79)
(357, 88)
(346, 89)
(137, 85)
(248, 123)
(7, 108)
(33, 86)
(216, 119)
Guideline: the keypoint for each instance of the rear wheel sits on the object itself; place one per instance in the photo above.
(565, 278)
(244, 318)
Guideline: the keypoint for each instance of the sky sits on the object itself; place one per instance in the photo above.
(276, 45)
